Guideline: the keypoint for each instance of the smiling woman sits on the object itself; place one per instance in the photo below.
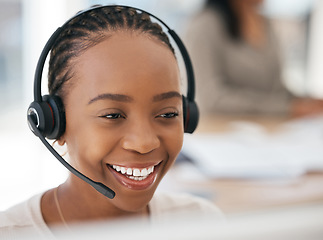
(116, 76)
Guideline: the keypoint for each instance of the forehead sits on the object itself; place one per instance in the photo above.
(126, 60)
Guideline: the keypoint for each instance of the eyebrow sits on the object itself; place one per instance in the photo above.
(166, 95)
(111, 96)
(125, 98)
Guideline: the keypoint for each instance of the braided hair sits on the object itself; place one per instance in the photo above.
(87, 30)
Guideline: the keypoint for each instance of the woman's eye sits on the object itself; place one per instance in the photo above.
(169, 115)
(113, 116)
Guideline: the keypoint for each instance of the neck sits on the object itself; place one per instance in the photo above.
(77, 195)
(79, 203)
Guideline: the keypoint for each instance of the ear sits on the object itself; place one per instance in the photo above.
(61, 141)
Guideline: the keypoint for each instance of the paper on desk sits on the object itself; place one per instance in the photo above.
(250, 152)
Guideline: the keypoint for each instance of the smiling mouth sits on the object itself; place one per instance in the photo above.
(134, 173)
(135, 178)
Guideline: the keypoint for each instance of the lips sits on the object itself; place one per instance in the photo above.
(135, 178)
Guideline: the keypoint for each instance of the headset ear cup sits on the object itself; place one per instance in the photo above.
(58, 116)
(191, 115)
(40, 113)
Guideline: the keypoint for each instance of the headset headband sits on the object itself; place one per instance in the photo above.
(41, 62)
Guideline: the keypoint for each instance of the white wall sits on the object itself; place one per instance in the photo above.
(27, 167)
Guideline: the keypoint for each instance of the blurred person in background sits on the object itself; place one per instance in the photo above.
(237, 63)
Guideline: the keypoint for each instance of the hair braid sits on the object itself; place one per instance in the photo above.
(89, 29)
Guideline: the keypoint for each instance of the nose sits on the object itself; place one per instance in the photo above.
(141, 137)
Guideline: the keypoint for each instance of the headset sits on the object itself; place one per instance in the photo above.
(46, 114)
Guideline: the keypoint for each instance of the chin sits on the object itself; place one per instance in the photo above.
(133, 202)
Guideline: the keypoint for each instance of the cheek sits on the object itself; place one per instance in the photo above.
(87, 145)
(174, 141)
(177, 143)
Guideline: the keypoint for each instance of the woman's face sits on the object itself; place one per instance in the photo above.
(124, 122)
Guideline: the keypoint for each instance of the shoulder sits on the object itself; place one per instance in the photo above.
(165, 204)
(17, 215)
(22, 218)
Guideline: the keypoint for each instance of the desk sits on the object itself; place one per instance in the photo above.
(241, 195)
(220, 123)
(236, 196)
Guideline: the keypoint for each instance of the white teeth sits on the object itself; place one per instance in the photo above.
(129, 171)
(137, 178)
(134, 173)
(144, 172)
(150, 170)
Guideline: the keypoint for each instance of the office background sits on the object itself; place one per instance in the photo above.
(26, 167)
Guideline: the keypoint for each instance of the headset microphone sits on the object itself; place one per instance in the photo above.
(97, 185)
